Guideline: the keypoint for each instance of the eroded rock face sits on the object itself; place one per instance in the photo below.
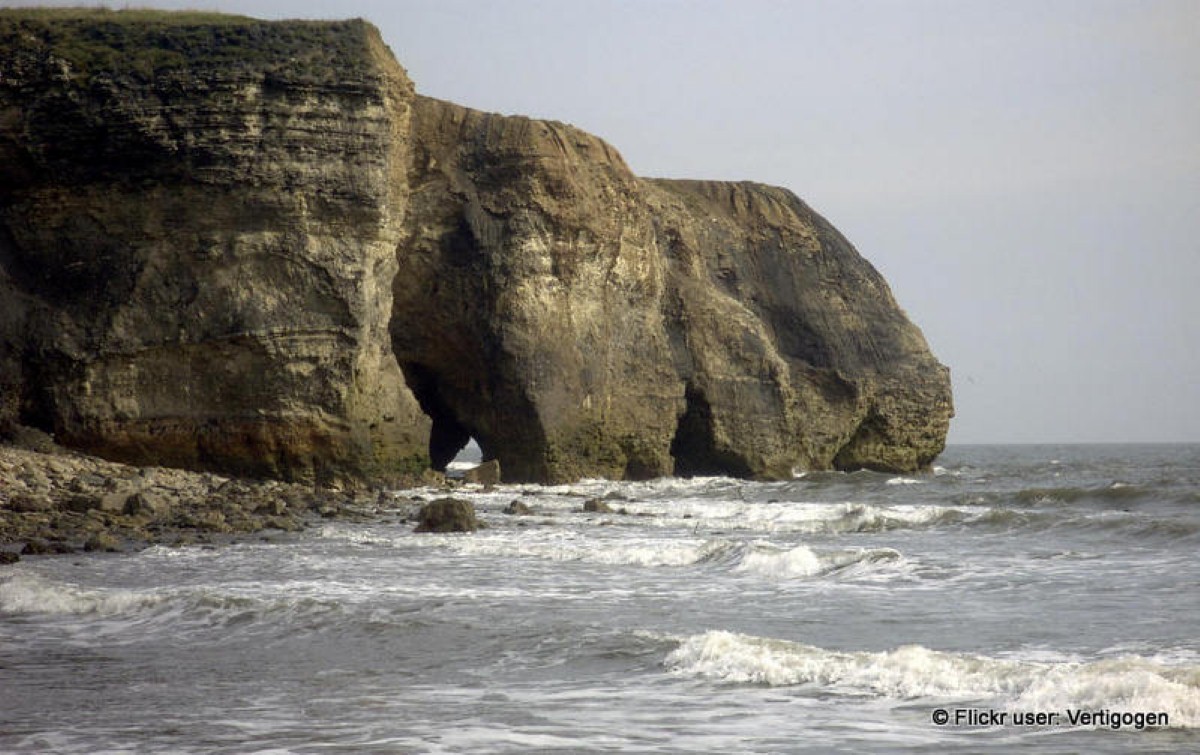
(196, 259)
(527, 308)
(249, 247)
(793, 351)
(578, 320)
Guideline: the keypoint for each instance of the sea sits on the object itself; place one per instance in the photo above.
(1040, 599)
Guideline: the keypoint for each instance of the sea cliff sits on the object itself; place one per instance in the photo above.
(250, 248)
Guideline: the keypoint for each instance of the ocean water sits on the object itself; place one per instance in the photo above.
(1039, 598)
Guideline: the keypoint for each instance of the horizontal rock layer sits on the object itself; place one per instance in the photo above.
(221, 250)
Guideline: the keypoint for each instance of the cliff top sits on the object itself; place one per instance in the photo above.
(147, 44)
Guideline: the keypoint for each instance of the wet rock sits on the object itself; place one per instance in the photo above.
(102, 541)
(447, 515)
(81, 502)
(27, 503)
(143, 503)
(211, 521)
(9, 557)
(285, 523)
(597, 506)
(42, 547)
(272, 507)
(487, 473)
(518, 508)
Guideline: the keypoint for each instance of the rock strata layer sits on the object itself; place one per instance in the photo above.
(198, 225)
(251, 248)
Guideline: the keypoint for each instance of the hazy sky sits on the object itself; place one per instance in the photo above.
(1025, 173)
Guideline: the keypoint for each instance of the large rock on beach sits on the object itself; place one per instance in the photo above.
(249, 247)
(447, 515)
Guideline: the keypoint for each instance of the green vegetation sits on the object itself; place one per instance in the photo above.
(150, 44)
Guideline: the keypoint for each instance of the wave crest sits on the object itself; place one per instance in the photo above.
(1127, 684)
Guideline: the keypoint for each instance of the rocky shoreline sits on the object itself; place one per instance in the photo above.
(54, 501)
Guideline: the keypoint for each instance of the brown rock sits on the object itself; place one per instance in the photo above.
(143, 503)
(597, 506)
(447, 515)
(42, 547)
(518, 508)
(487, 473)
(359, 293)
(102, 541)
(204, 292)
(27, 503)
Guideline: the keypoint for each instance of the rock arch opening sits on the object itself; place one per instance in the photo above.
(468, 457)
(451, 437)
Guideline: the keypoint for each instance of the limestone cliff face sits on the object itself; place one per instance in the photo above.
(248, 246)
(792, 348)
(197, 242)
(577, 320)
(527, 306)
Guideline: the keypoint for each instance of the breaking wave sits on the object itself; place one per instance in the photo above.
(114, 613)
(1127, 683)
(29, 594)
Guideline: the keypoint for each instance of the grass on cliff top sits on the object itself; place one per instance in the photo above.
(149, 44)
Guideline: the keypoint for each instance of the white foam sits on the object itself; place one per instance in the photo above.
(24, 593)
(572, 547)
(769, 561)
(800, 561)
(797, 518)
(1131, 684)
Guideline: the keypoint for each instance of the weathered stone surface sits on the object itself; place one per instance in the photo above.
(518, 508)
(249, 247)
(198, 223)
(487, 473)
(597, 506)
(792, 349)
(447, 515)
(150, 505)
(527, 314)
(578, 321)
(102, 541)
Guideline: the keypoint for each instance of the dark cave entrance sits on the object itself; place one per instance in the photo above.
(694, 446)
(447, 438)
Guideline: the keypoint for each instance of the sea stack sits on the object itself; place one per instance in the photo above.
(250, 247)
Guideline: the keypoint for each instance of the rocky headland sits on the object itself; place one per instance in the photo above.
(251, 250)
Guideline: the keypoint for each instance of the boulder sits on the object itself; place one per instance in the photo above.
(102, 541)
(518, 508)
(487, 473)
(597, 506)
(144, 503)
(29, 503)
(447, 515)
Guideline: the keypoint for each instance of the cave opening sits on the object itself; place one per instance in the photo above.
(694, 446)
